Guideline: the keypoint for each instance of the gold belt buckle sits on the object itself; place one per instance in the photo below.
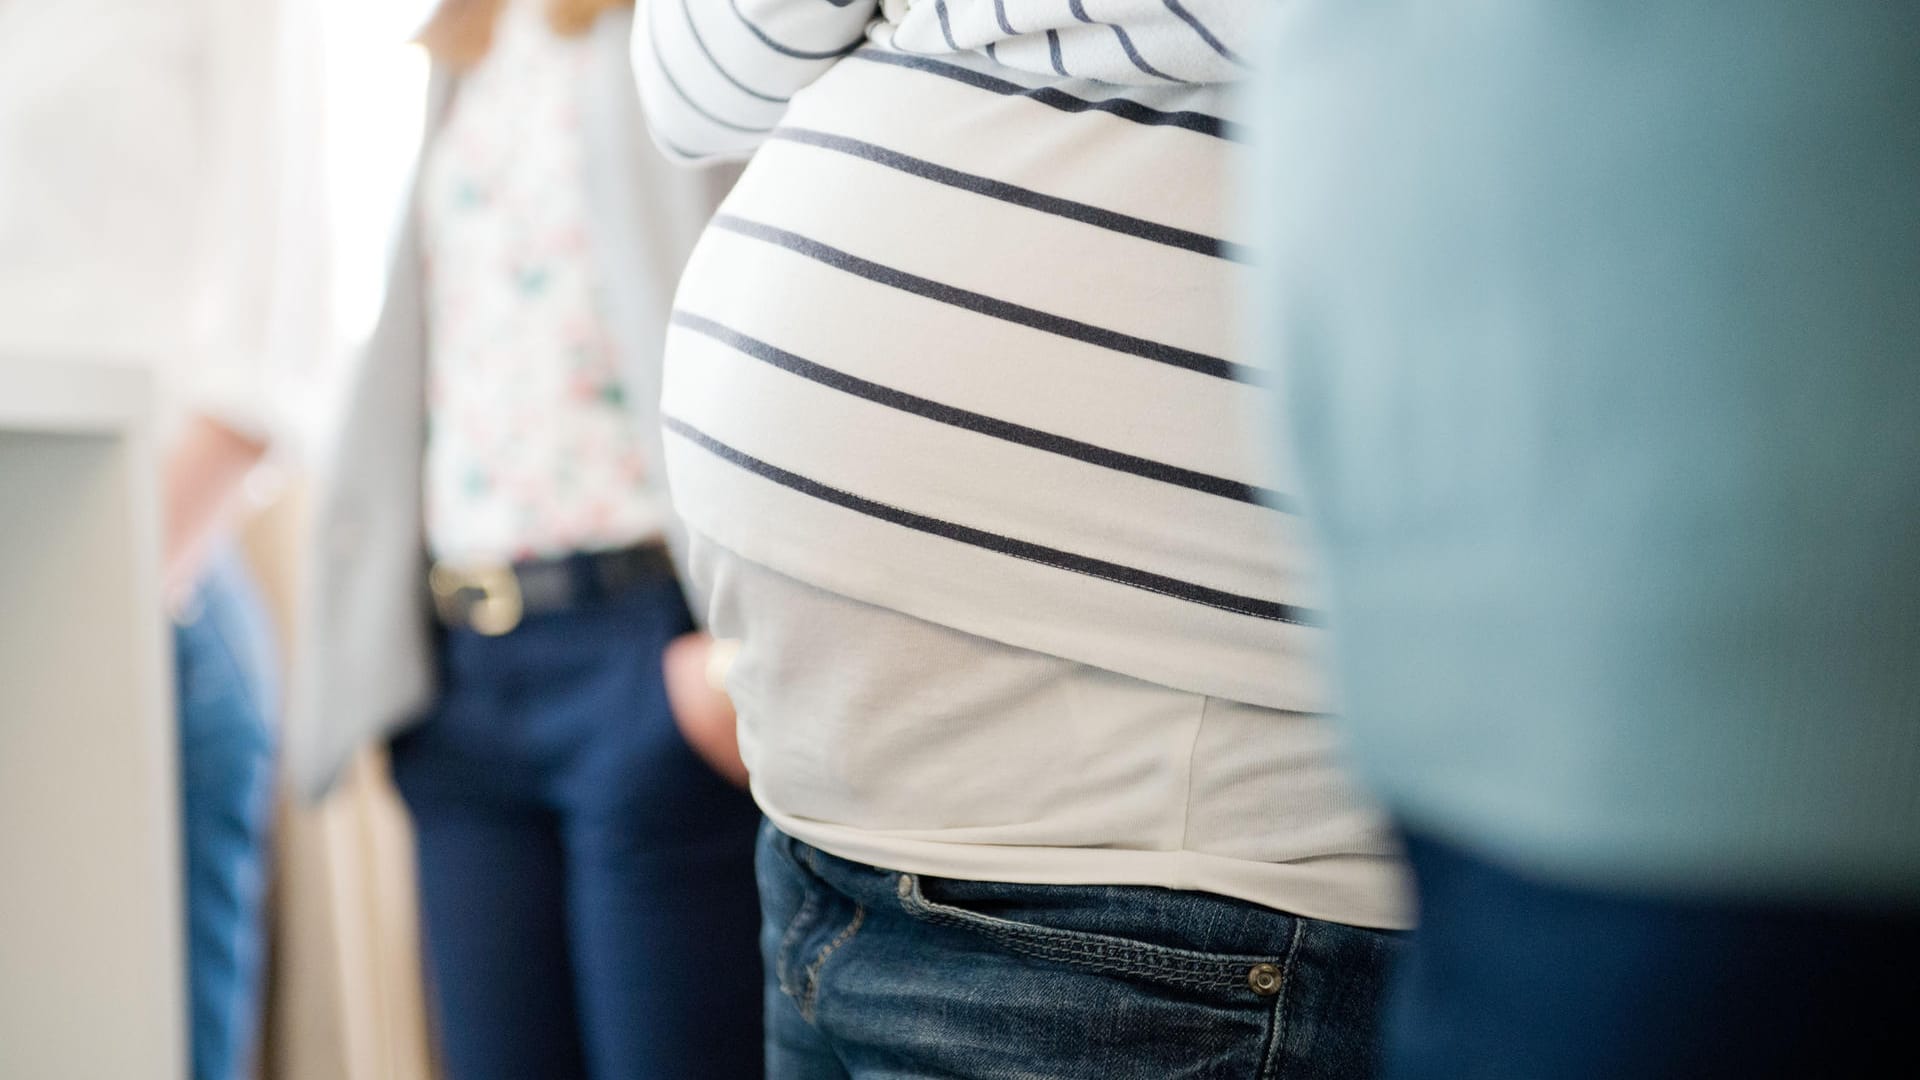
(500, 606)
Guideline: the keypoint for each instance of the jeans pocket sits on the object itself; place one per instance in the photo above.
(1235, 976)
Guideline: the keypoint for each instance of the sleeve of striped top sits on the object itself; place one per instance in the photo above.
(1151, 41)
(1125, 42)
(715, 75)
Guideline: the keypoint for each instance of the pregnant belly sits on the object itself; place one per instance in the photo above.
(907, 231)
(977, 316)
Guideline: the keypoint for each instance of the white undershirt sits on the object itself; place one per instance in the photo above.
(902, 743)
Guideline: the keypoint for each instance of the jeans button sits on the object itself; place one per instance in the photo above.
(1264, 979)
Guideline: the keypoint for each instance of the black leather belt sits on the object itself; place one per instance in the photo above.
(493, 598)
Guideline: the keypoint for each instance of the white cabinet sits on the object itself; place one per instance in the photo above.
(90, 895)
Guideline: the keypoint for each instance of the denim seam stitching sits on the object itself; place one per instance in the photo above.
(809, 903)
(783, 966)
(813, 970)
(1275, 1060)
(1224, 973)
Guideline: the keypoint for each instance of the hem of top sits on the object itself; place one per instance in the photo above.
(1376, 896)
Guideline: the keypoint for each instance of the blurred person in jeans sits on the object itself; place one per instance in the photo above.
(491, 586)
(1601, 325)
(1028, 670)
(156, 206)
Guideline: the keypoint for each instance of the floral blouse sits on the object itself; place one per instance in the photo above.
(531, 449)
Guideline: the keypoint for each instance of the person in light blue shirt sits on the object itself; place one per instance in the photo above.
(1601, 325)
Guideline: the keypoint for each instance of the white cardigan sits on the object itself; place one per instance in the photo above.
(365, 665)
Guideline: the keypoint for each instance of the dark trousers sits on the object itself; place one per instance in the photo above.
(586, 882)
(1508, 978)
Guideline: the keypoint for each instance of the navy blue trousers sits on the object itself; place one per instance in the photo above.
(586, 882)
(1509, 978)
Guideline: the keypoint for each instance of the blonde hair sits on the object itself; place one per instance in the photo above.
(461, 31)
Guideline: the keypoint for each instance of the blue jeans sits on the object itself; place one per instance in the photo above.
(225, 685)
(586, 882)
(878, 975)
(1509, 978)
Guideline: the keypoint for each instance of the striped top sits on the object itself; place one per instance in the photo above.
(962, 346)
(1035, 435)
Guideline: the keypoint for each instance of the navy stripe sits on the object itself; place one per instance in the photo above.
(675, 148)
(1018, 196)
(1126, 43)
(1000, 13)
(1058, 99)
(660, 65)
(788, 50)
(1146, 580)
(715, 61)
(946, 29)
(981, 424)
(1133, 54)
(992, 307)
(1053, 53)
(1200, 28)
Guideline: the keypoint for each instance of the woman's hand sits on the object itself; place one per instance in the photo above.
(200, 477)
(700, 707)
